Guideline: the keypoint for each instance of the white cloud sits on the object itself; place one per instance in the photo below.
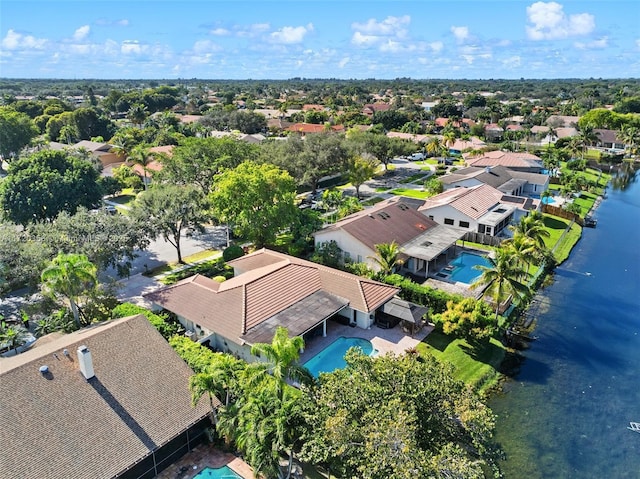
(342, 63)
(17, 41)
(461, 33)
(290, 35)
(512, 62)
(593, 45)
(390, 26)
(360, 39)
(549, 22)
(132, 47)
(81, 33)
(252, 30)
(436, 47)
(221, 32)
(123, 23)
(206, 46)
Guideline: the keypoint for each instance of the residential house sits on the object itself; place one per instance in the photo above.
(422, 242)
(304, 128)
(519, 161)
(509, 182)
(461, 145)
(107, 401)
(370, 109)
(608, 139)
(269, 290)
(99, 150)
(478, 209)
(562, 121)
(493, 132)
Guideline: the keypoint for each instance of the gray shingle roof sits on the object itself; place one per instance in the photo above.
(64, 426)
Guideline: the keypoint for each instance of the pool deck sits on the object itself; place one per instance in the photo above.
(394, 340)
(204, 456)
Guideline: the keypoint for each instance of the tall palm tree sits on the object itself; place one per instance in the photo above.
(140, 155)
(281, 359)
(387, 257)
(532, 226)
(69, 276)
(434, 147)
(524, 249)
(502, 278)
(587, 137)
(137, 114)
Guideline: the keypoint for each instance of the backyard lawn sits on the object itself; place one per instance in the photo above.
(475, 365)
(411, 193)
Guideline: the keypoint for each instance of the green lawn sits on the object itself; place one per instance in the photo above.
(476, 366)
(413, 178)
(411, 193)
(556, 227)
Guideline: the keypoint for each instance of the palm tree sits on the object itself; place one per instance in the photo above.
(69, 275)
(524, 249)
(532, 226)
(140, 155)
(137, 114)
(630, 136)
(282, 357)
(387, 257)
(502, 278)
(587, 137)
(434, 147)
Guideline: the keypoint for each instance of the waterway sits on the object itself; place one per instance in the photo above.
(565, 414)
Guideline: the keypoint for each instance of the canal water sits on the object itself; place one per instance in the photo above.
(565, 414)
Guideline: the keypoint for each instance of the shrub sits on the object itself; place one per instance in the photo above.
(425, 295)
(210, 269)
(161, 322)
(232, 252)
(197, 356)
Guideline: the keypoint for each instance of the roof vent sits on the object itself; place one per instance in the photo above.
(65, 352)
(44, 369)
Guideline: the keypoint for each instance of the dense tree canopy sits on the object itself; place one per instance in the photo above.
(395, 417)
(16, 131)
(196, 161)
(42, 185)
(107, 240)
(168, 211)
(256, 199)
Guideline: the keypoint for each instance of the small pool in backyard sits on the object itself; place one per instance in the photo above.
(223, 472)
(462, 268)
(548, 200)
(332, 357)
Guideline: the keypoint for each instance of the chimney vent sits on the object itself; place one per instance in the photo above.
(44, 369)
(85, 362)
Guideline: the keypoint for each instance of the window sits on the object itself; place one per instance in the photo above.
(481, 228)
(448, 221)
(464, 224)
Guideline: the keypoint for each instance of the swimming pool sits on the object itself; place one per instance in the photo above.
(463, 267)
(332, 357)
(223, 472)
(547, 200)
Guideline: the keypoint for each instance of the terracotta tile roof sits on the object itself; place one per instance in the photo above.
(313, 107)
(389, 220)
(472, 143)
(62, 425)
(506, 158)
(267, 282)
(474, 202)
(312, 128)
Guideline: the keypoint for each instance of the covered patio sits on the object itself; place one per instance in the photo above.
(427, 252)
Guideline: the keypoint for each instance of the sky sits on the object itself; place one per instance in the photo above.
(345, 39)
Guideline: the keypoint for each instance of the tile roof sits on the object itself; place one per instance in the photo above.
(389, 220)
(474, 202)
(267, 283)
(506, 158)
(312, 128)
(62, 426)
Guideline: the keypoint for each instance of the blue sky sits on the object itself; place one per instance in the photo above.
(235, 39)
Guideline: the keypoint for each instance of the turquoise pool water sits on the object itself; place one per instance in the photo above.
(332, 357)
(223, 472)
(548, 200)
(463, 267)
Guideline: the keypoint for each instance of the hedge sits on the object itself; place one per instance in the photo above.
(160, 322)
(424, 295)
(197, 356)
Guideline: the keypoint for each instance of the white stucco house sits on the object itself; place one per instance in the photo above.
(509, 182)
(422, 241)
